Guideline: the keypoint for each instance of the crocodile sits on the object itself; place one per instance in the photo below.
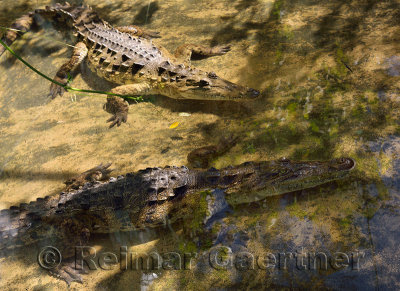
(128, 57)
(150, 198)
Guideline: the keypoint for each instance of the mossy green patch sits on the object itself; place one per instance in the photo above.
(314, 127)
(276, 9)
(286, 32)
(200, 212)
(292, 107)
(345, 223)
(297, 209)
(278, 56)
(187, 247)
(249, 149)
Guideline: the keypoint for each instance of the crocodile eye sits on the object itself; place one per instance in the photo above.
(212, 75)
(284, 160)
(283, 171)
(203, 83)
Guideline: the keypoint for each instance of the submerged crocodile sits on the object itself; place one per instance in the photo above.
(150, 198)
(127, 56)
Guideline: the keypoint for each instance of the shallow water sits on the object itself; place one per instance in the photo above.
(329, 77)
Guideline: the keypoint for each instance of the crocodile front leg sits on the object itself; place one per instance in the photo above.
(138, 32)
(78, 55)
(188, 52)
(118, 107)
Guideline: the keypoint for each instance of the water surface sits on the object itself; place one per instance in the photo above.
(329, 76)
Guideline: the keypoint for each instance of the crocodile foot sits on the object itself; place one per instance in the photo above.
(68, 274)
(57, 89)
(118, 107)
(117, 119)
(220, 50)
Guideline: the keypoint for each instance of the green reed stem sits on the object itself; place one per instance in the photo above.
(66, 87)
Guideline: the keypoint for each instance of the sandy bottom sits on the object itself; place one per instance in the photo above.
(329, 77)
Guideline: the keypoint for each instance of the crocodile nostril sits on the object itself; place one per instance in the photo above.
(252, 93)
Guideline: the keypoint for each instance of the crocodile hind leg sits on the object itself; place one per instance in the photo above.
(98, 173)
(139, 32)
(67, 273)
(118, 107)
(74, 235)
(189, 52)
(78, 55)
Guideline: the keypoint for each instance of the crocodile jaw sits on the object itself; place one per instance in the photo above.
(202, 87)
(283, 176)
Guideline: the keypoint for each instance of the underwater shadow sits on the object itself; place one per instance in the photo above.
(35, 175)
(144, 15)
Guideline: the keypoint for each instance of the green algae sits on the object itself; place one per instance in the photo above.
(286, 32)
(322, 114)
(297, 209)
(200, 212)
(187, 247)
(276, 9)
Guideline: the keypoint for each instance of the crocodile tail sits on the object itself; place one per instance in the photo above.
(18, 224)
(10, 229)
(19, 27)
(58, 12)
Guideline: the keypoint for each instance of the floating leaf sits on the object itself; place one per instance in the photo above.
(173, 125)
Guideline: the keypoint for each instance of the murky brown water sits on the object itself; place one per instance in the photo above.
(329, 76)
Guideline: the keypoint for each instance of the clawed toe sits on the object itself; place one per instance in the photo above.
(113, 119)
(221, 50)
(67, 274)
(225, 49)
(118, 107)
(116, 120)
(56, 90)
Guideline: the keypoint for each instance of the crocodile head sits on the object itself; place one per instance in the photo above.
(260, 180)
(208, 86)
